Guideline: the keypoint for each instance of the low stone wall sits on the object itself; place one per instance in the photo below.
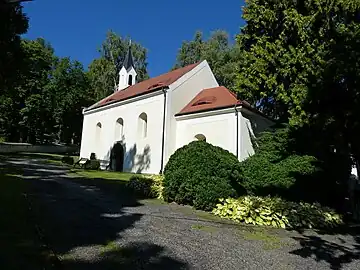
(25, 147)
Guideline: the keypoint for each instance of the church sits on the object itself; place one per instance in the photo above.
(139, 126)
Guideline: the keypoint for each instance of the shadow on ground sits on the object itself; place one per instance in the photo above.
(77, 218)
(337, 247)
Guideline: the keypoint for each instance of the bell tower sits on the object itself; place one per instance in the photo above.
(127, 74)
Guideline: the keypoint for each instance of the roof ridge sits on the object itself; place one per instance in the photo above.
(146, 86)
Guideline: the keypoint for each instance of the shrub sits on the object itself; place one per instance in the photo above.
(68, 160)
(92, 164)
(276, 212)
(279, 169)
(198, 174)
(297, 164)
(2, 139)
(148, 186)
(157, 186)
(288, 178)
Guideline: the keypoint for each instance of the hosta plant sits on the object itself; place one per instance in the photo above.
(276, 212)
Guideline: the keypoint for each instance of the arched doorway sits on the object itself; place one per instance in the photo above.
(117, 157)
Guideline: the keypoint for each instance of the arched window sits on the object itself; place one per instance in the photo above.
(119, 129)
(200, 137)
(142, 125)
(130, 80)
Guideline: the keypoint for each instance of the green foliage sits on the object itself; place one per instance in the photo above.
(70, 93)
(104, 71)
(147, 185)
(217, 50)
(198, 174)
(289, 48)
(291, 163)
(92, 164)
(46, 104)
(157, 186)
(300, 66)
(2, 139)
(13, 23)
(258, 175)
(276, 170)
(275, 212)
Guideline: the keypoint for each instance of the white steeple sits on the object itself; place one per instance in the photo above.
(127, 74)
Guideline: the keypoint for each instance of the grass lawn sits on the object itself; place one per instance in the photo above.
(121, 176)
(20, 245)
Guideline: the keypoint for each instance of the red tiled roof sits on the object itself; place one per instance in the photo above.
(146, 86)
(210, 99)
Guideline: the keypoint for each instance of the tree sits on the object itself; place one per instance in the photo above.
(286, 48)
(301, 65)
(31, 98)
(70, 93)
(13, 23)
(217, 50)
(47, 100)
(23, 114)
(104, 71)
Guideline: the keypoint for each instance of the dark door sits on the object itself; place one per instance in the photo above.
(117, 161)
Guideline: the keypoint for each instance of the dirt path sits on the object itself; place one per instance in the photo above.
(99, 225)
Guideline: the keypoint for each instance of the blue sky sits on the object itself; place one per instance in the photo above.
(76, 28)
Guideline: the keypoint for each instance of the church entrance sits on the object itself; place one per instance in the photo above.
(117, 157)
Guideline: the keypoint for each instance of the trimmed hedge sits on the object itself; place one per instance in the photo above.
(147, 185)
(276, 212)
(198, 174)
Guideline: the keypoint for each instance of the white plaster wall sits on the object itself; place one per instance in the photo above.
(141, 154)
(250, 125)
(179, 95)
(246, 148)
(219, 130)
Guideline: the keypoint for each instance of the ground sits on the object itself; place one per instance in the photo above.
(56, 219)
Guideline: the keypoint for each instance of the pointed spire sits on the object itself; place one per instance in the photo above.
(129, 61)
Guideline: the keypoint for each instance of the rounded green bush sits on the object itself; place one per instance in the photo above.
(198, 174)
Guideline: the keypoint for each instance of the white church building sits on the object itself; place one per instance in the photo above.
(138, 128)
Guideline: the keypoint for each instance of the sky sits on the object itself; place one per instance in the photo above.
(76, 28)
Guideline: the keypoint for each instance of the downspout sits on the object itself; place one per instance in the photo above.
(237, 132)
(163, 132)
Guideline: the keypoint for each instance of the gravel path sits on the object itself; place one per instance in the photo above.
(99, 225)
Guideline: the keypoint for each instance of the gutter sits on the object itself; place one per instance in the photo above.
(113, 102)
(163, 131)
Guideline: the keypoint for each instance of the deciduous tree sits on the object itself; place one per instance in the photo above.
(104, 71)
(217, 50)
